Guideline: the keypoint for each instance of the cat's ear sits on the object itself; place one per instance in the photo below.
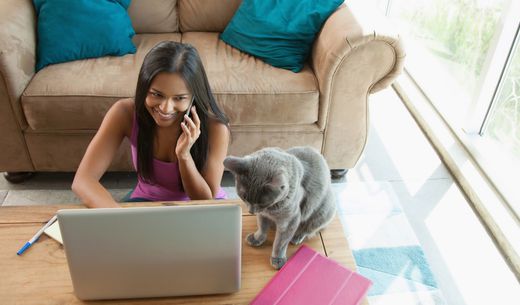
(278, 182)
(235, 164)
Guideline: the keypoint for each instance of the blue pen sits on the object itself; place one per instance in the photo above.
(37, 235)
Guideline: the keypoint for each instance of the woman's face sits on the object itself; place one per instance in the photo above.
(167, 99)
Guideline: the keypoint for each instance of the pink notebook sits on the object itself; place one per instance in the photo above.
(311, 278)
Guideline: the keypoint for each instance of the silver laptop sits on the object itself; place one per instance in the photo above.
(153, 251)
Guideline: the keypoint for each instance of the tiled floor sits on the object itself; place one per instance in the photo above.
(402, 162)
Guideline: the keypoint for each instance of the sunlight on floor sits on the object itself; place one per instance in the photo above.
(475, 263)
(362, 173)
(455, 242)
(399, 140)
(375, 213)
(422, 298)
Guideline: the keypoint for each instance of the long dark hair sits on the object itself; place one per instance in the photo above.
(174, 57)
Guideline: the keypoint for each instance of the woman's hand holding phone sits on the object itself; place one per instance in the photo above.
(190, 133)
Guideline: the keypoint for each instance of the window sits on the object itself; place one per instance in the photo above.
(499, 136)
(449, 46)
(463, 56)
(503, 122)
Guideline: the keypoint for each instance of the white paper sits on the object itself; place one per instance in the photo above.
(54, 232)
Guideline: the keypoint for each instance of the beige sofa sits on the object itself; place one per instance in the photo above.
(48, 118)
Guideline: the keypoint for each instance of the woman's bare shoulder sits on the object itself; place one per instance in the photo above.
(217, 127)
(218, 133)
(126, 105)
(123, 113)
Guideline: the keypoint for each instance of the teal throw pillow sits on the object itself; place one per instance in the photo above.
(280, 32)
(78, 29)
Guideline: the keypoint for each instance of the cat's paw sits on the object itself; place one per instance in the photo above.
(278, 262)
(252, 241)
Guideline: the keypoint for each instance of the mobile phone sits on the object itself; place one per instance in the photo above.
(189, 107)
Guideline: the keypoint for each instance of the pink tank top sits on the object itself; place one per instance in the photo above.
(167, 178)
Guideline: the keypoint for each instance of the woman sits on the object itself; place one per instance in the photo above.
(176, 156)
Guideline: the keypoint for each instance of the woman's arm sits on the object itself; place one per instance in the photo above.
(205, 185)
(116, 125)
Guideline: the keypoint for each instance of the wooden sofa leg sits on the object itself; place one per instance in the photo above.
(338, 173)
(18, 177)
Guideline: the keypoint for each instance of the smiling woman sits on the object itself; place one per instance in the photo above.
(176, 156)
(164, 101)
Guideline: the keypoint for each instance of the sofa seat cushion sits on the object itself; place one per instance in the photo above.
(76, 95)
(252, 92)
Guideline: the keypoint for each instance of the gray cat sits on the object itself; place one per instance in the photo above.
(290, 190)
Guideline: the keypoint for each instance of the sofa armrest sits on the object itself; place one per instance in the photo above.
(17, 59)
(351, 60)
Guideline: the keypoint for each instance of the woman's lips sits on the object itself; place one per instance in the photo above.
(164, 116)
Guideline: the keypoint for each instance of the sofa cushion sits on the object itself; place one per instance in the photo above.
(206, 15)
(72, 30)
(252, 92)
(282, 36)
(76, 95)
(154, 16)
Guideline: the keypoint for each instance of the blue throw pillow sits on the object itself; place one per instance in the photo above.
(78, 29)
(280, 32)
